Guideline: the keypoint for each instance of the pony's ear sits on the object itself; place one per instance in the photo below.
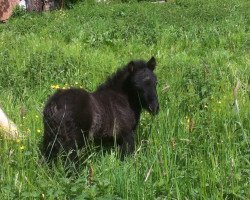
(151, 64)
(131, 66)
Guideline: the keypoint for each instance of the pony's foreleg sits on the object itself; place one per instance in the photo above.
(128, 144)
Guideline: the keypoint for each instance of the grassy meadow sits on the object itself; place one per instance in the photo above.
(198, 147)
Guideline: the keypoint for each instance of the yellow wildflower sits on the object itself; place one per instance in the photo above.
(55, 86)
(38, 130)
(22, 147)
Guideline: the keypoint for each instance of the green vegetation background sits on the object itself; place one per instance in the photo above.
(196, 148)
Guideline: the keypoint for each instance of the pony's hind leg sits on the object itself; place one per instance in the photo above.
(72, 159)
(51, 148)
(51, 144)
(72, 145)
(128, 144)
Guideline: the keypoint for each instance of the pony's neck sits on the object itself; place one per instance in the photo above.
(133, 98)
(135, 104)
(120, 82)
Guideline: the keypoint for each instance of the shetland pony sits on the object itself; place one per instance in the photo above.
(73, 116)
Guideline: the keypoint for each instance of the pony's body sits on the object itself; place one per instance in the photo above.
(73, 116)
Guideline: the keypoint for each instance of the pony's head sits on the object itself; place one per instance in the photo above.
(144, 82)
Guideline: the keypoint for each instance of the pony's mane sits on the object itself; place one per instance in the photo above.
(116, 80)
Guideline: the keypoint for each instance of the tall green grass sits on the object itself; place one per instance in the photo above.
(198, 145)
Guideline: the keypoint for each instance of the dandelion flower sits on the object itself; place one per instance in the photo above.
(38, 130)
